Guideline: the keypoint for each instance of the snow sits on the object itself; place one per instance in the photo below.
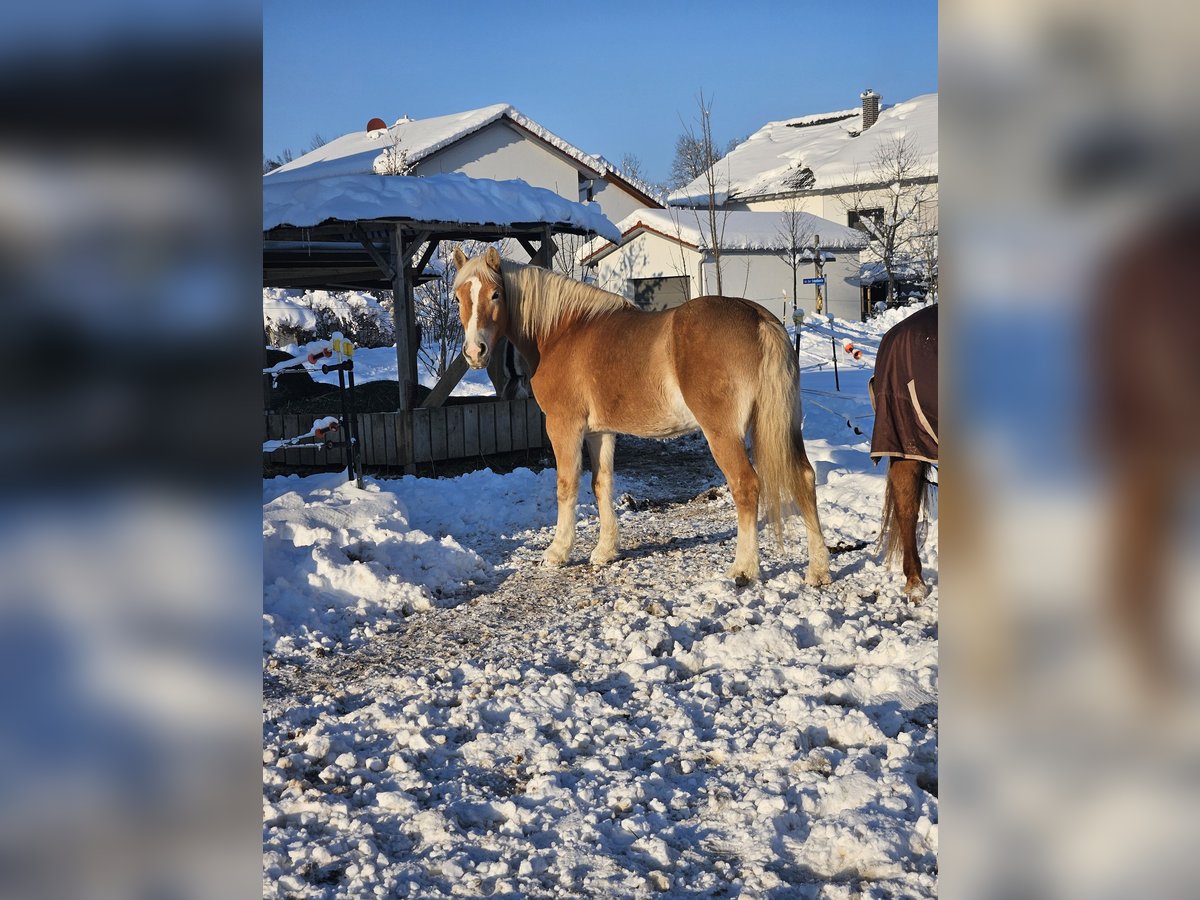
(364, 152)
(296, 311)
(379, 364)
(778, 157)
(436, 198)
(283, 311)
(358, 152)
(740, 230)
(445, 716)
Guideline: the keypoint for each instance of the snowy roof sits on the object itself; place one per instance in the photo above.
(452, 197)
(362, 152)
(818, 151)
(739, 230)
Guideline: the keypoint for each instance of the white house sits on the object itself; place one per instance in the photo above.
(664, 258)
(823, 164)
(495, 142)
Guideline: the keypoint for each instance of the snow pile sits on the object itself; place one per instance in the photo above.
(818, 152)
(340, 564)
(291, 317)
(436, 198)
(740, 230)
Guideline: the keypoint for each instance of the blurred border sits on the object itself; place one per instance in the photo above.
(1070, 566)
(130, 614)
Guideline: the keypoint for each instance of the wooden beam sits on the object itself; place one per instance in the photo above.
(372, 250)
(309, 273)
(529, 248)
(446, 383)
(419, 268)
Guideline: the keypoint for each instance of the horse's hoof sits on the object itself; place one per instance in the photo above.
(742, 577)
(552, 559)
(599, 558)
(916, 592)
(817, 578)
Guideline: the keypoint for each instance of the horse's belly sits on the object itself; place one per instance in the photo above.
(666, 421)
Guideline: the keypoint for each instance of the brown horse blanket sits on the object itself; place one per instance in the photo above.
(904, 389)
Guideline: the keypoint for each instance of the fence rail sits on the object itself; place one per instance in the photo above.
(462, 431)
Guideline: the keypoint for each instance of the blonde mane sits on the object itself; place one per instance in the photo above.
(538, 300)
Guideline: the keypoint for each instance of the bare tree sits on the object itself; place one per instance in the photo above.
(886, 203)
(317, 140)
(701, 150)
(394, 159)
(688, 163)
(631, 166)
(271, 163)
(925, 249)
(565, 261)
(793, 235)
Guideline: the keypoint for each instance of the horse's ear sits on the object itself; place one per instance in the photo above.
(492, 258)
(460, 258)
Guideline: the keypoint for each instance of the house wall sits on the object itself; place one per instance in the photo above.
(646, 255)
(500, 151)
(759, 276)
(614, 202)
(767, 280)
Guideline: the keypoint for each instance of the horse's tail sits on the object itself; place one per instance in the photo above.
(890, 525)
(786, 478)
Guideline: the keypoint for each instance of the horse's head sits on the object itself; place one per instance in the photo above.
(481, 305)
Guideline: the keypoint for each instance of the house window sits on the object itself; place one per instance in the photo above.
(586, 189)
(855, 218)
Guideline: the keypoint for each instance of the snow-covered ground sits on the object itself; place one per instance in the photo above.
(443, 716)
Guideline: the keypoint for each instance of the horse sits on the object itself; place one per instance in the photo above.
(601, 366)
(904, 393)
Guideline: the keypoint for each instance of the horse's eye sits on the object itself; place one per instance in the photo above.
(495, 295)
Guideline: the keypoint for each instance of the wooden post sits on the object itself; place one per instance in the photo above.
(816, 249)
(545, 254)
(406, 351)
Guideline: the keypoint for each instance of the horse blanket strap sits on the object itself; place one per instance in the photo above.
(904, 389)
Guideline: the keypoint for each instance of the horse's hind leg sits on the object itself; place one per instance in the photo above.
(904, 481)
(600, 449)
(729, 451)
(567, 440)
(818, 552)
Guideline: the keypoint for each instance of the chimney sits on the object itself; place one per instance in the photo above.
(870, 108)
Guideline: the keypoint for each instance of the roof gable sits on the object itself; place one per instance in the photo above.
(363, 152)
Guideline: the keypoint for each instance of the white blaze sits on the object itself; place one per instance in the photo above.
(471, 336)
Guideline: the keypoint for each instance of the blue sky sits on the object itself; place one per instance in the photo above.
(610, 77)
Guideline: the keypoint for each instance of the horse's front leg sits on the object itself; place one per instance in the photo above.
(567, 440)
(600, 449)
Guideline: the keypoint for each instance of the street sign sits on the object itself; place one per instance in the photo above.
(814, 280)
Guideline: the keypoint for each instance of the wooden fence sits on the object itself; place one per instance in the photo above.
(461, 431)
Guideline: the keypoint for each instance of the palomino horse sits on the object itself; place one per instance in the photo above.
(904, 392)
(601, 366)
